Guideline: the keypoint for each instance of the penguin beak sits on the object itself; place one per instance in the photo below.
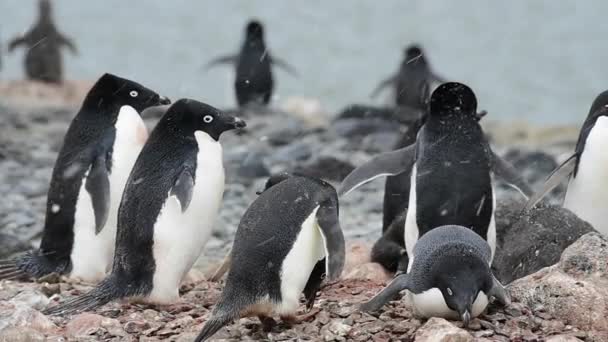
(163, 100)
(239, 123)
(466, 318)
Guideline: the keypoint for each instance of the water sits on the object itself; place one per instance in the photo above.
(542, 61)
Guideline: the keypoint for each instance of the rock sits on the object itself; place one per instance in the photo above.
(21, 334)
(440, 330)
(355, 128)
(369, 271)
(87, 324)
(338, 328)
(563, 338)
(19, 315)
(306, 109)
(576, 289)
(527, 242)
(326, 168)
(31, 298)
(253, 166)
(380, 142)
(357, 253)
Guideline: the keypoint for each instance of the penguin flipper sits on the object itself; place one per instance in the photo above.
(182, 189)
(384, 84)
(333, 239)
(499, 292)
(229, 59)
(555, 178)
(384, 164)
(16, 42)
(68, 42)
(505, 170)
(401, 282)
(98, 186)
(285, 66)
(314, 283)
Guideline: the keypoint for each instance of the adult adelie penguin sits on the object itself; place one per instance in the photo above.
(586, 195)
(290, 230)
(254, 82)
(452, 169)
(413, 80)
(450, 276)
(167, 210)
(98, 152)
(43, 42)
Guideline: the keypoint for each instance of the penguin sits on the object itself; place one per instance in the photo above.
(254, 82)
(43, 42)
(413, 80)
(98, 152)
(452, 168)
(167, 210)
(585, 168)
(450, 277)
(389, 249)
(287, 241)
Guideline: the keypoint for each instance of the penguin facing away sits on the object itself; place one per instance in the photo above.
(414, 80)
(167, 210)
(450, 277)
(452, 169)
(44, 42)
(254, 82)
(98, 152)
(288, 238)
(586, 195)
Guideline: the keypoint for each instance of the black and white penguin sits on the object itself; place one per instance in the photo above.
(414, 80)
(452, 169)
(98, 152)
(43, 42)
(450, 276)
(254, 82)
(288, 238)
(586, 194)
(168, 208)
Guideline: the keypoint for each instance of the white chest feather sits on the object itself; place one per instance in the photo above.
(307, 250)
(92, 253)
(431, 303)
(587, 194)
(179, 237)
(411, 232)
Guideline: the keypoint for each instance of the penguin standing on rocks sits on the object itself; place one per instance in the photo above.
(286, 241)
(168, 208)
(586, 195)
(452, 169)
(254, 82)
(450, 276)
(413, 82)
(43, 42)
(98, 152)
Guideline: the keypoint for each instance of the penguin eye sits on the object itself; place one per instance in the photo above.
(207, 118)
(133, 93)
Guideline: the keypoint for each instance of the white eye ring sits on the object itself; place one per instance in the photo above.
(450, 291)
(133, 93)
(207, 118)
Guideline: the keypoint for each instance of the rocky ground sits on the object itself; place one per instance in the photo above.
(300, 137)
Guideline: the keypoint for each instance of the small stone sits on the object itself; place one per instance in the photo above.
(563, 338)
(21, 334)
(49, 289)
(338, 328)
(440, 330)
(133, 327)
(323, 317)
(368, 271)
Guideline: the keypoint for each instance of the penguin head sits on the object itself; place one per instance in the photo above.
(413, 54)
(114, 92)
(453, 98)
(254, 30)
(187, 116)
(461, 275)
(44, 8)
(275, 179)
(600, 104)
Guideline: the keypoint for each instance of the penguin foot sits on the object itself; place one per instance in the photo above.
(267, 323)
(301, 318)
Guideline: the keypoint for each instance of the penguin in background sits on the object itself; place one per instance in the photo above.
(452, 170)
(98, 152)
(586, 193)
(450, 277)
(413, 80)
(43, 41)
(254, 82)
(168, 208)
(287, 240)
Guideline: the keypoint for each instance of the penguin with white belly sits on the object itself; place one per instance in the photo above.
(587, 192)
(168, 208)
(450, 277)
(98, 152)
(452, 168)
(286, 240)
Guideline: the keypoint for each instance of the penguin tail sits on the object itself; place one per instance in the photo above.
(103, 293)
(32, 264)
(16, 268)
(222, 315)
